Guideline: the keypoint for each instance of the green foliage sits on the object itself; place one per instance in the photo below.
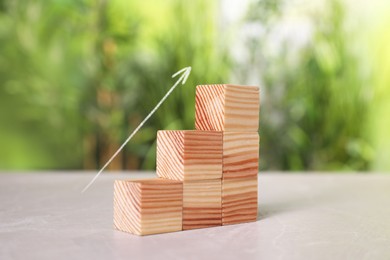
(319, 120)
(87, 72)
(379, 43)
(76, 77)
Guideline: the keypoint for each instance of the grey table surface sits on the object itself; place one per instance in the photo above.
(301, 216)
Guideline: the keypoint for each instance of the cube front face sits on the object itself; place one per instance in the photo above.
(202, 155)
(209, 107)
(239, 200)
(127, 215)
(170, 154)
(189, 155)
(227, 107)
(202, 204)
(150, 206)
(240, 154)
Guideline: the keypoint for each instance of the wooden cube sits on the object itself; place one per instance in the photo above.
(189, 155)
(239, 200)
(148, 206)
(202, 204)
(240, 154)
(226, 107)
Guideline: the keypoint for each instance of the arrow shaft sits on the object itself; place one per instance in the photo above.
(182, 78)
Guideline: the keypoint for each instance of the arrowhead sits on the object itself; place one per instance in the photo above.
(185, 72)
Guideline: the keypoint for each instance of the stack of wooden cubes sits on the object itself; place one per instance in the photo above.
(206, 177)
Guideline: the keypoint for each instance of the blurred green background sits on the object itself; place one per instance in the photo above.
(76, 77)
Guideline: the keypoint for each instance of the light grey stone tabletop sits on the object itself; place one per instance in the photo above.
(301, 216)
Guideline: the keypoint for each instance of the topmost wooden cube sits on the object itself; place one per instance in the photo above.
(226, 107)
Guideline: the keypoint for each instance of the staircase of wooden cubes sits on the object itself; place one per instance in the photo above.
(206, 177)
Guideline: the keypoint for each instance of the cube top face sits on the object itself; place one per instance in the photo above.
(240, 154)
(189, 155)
(144, 207)
(155, 183)
(226, 107)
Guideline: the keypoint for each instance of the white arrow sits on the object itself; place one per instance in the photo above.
(183, 78)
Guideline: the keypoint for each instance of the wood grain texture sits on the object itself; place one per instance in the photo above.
(189, 155)
(226, 107)
(239, 200)
(149, 206)
(202, 204)
(240, 154)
